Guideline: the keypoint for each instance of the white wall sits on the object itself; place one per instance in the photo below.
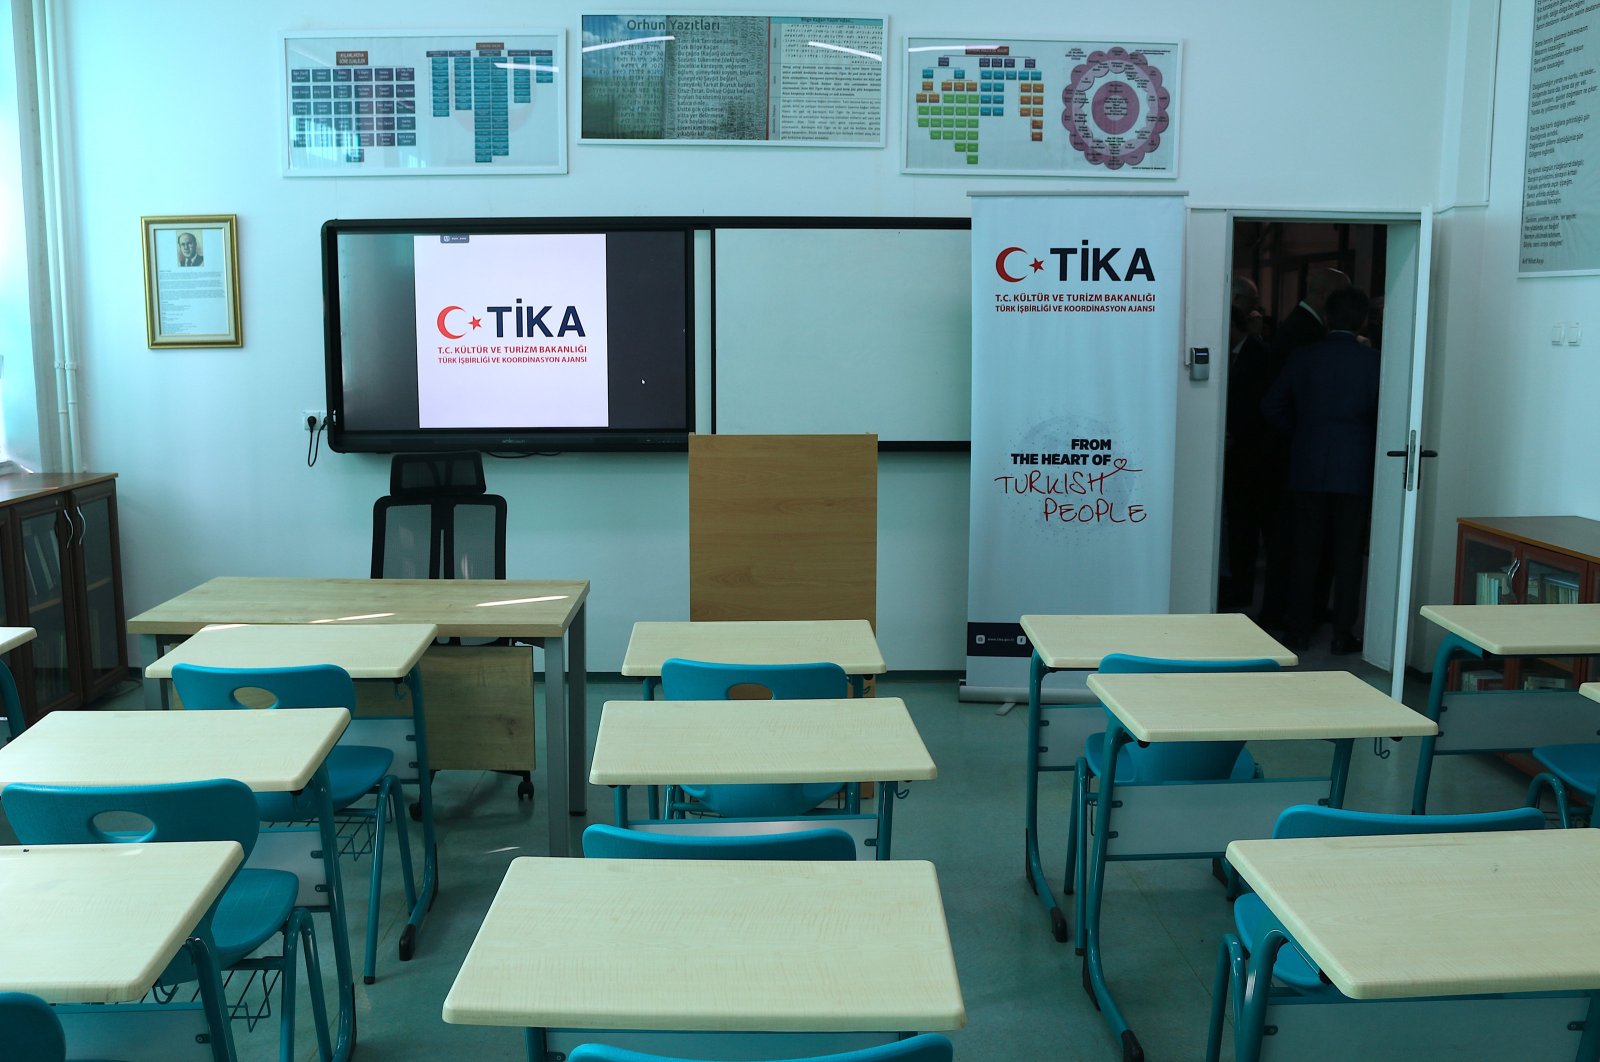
(172, 109)
(1515, 416)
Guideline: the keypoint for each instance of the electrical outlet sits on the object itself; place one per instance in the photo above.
(313, 419)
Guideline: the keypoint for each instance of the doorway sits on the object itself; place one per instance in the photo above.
(1390, 255)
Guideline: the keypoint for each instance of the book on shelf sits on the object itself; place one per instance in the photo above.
(1546, 682)
(1491, 588)
(1559, 589)
(1478, 680)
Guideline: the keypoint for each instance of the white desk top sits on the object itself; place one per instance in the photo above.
(661, 742)
(1255, 706)
(11, 637)
(713, 945)
(462, 608)
(1450, 914)
(269, 751)
(1590, 690)
(848, 643)
(96, 923)
(1081, 641)
(1518, 630)
(367, 651)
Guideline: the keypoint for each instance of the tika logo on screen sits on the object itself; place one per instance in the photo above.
(1083, 263)
(525, 321)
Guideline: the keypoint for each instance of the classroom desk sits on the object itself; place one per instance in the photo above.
(546, 612)
(1447, 915)
(368, 651)
(1505, 720)
(11, 637)
(1200, 819)
(869, 739)
(271, 752)
(97, 923)
(1079, 643)
(848, 643)
(812, 956)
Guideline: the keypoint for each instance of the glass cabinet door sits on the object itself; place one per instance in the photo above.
(105, 653)
(1488, 571)
(43, 537)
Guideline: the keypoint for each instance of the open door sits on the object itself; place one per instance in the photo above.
(1401, 450)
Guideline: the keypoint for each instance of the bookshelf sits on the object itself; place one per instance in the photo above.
(1549, 560)
(62, 575)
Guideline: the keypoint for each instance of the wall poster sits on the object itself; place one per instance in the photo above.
(1072, 108)
(191, 281)
(734, 79)
(1561, 184)
(467, 103)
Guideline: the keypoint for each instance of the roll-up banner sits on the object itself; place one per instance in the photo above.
(1077, 309)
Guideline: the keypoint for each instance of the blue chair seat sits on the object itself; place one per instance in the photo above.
(613, 842)
(1254, 920)
(353, 772)
(252, 910)
(1576, 765)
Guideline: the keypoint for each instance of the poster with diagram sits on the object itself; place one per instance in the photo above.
(1072, 108)
(816, 81)
(383, 105)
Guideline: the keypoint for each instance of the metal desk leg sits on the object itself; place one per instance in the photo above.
(1340, 772)
(557, 800)
(1032, 866)
(155, 691)
(345, 1044)
(1452, 646)
(1093, 966)
(887, 792)
(652, 792)
(430, 848)
(213, 1000)
(578, 712)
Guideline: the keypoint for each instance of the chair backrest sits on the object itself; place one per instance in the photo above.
(928, 1047)
(10, 702)
(698, 680)
(437, 522)
(220, 809)
(30, 1029)
(311, 686)
(610, 842)
(1186, 760)
(1312, 820)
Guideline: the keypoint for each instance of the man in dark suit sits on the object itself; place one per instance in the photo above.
(1249, 448)
(1326, 402)
(1303, 325)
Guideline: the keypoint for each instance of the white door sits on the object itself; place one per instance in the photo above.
(1401, 449)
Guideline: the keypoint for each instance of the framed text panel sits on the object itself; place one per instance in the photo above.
(734, 79)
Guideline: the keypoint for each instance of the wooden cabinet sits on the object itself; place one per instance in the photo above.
(1533, 560)
(63, 576)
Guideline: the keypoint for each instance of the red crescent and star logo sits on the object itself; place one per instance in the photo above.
(1000, 265)
(444, 329)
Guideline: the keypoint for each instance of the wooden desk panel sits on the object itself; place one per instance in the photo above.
(1447, 914)
(716, 742)
(1522, 630)
(97, 923)
(1255, 706)
(848, 643)
(1080, 642)
(712, 944)
(366, 651)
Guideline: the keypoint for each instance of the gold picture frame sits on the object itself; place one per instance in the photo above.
(191, 281)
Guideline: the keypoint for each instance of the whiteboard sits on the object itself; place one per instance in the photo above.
(844, 330)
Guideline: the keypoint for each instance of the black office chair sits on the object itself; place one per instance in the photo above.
(438, 521)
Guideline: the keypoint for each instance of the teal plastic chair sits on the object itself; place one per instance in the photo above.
(611, 842)
(1568, 769)
(1291, 968)
(1169, 761)
(255, 906)
(695, 680)
(354, 771)
(928, 1047)
(10, 703)
(30, 1029)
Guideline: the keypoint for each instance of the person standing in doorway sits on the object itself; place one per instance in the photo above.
(1304, 324)
(1249, 445)
(1326, 402)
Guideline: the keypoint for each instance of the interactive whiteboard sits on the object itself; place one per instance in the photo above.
(846, 329)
